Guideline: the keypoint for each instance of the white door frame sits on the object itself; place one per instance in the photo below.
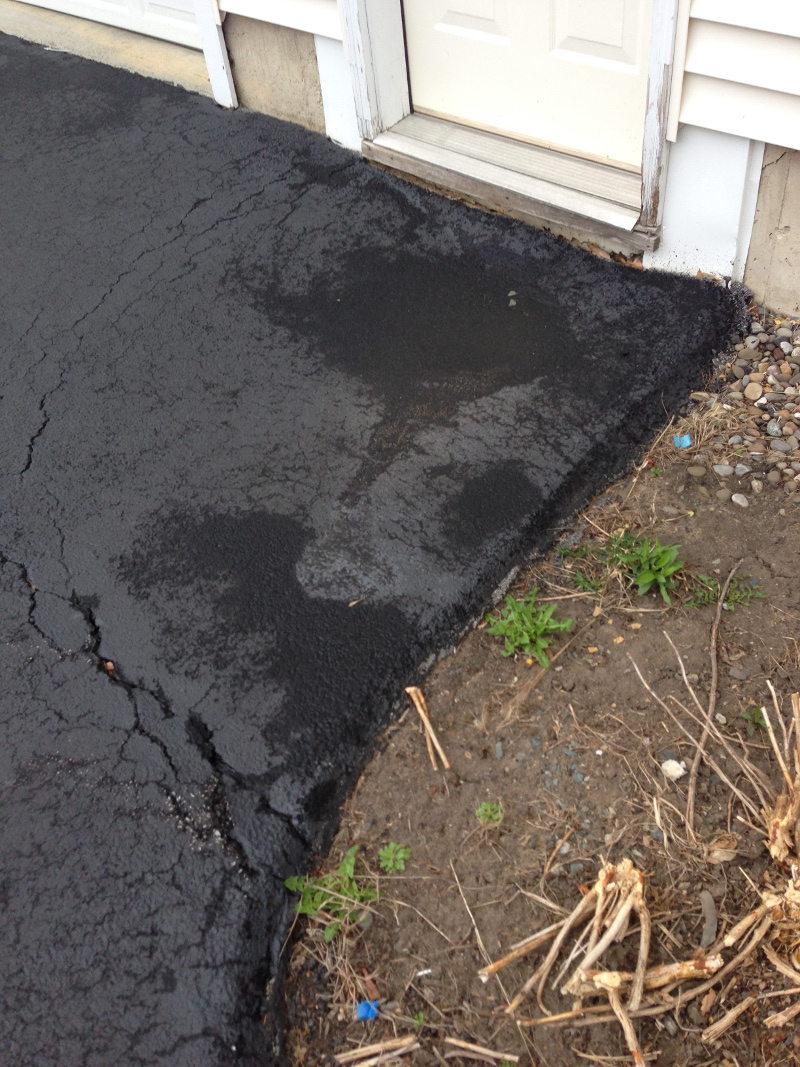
(375, 46)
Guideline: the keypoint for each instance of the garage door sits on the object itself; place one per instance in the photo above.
(171, 20)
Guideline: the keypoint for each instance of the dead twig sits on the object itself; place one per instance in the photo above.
(715, 1032)
(392, 1045)
(712, 703)
(627, 1026)
(480, 1049)
(419, 703)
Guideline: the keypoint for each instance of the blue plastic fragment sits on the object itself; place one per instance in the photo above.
(682, 442)
(366, 1010)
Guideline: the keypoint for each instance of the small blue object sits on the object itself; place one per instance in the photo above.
(682, 442)
(366, 1010)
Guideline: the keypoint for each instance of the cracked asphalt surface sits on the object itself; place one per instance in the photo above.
(246, 381)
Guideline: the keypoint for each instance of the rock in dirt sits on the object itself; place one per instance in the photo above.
(741, 500)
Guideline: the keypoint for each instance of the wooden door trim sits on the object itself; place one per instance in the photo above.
(375, 45)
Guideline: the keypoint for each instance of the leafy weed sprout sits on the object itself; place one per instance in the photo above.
(489, 814)
(527, 627)
(706, 591)
(753, 717)
(333, 899)
(393, 857)
(647, 565)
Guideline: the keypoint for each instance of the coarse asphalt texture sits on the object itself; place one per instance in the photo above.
(247, 381)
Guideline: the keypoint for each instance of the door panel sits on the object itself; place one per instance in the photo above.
(170, 20)
(570, 73)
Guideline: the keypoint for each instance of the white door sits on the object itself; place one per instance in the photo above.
(171, 20)
(564, 73)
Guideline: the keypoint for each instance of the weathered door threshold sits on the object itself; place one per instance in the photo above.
(523, 180)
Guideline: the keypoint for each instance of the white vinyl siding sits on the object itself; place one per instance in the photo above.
(741, 69)
(320, 17)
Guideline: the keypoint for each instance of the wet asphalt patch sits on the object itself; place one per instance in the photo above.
(249, 381)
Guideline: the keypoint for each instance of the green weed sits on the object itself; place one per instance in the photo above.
(526, 627)
(707, 590)
(753, 718)
(647, 565)
(419, 1021)
(334, 898)
(586, 584)
(393, 857)
(489, 814)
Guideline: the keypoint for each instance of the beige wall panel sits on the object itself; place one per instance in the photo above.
(275, 70)
(773, 262)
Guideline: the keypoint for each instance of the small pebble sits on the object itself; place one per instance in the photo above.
(740, 499)
(723, 470)
(724, 494)
(753, 391)
(498, 750)
(756, 485)
(696, 472)
(742, 469)
(774, 478)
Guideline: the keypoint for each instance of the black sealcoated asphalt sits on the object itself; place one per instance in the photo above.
(246, 381)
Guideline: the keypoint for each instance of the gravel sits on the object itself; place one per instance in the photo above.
(761, 378)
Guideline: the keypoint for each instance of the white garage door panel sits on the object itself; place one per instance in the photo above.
(170, 20)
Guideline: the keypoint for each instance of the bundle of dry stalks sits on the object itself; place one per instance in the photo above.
(603, 917)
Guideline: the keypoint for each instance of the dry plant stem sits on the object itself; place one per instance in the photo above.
(785, 969)
(784, 769)
(781, 1018)
(712, 763)
(580, 912)
(712, 703)
(645, 933)
(478, 937)
(587, 1016)
(524, 949)
(388, 1057)
(431, 750)
(370, 1050)
(419, 704)
(627, 1026)
(715, 1032)
(643, 466)
(484, 1051)
(741, 928)
(656, 977)
(746, 767)
(755, 940)
(552, 858)
(527, 688)
(403, 904)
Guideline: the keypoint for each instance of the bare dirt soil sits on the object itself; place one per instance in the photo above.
(574, 766)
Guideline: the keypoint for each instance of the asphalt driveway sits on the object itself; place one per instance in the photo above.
(247, 381)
